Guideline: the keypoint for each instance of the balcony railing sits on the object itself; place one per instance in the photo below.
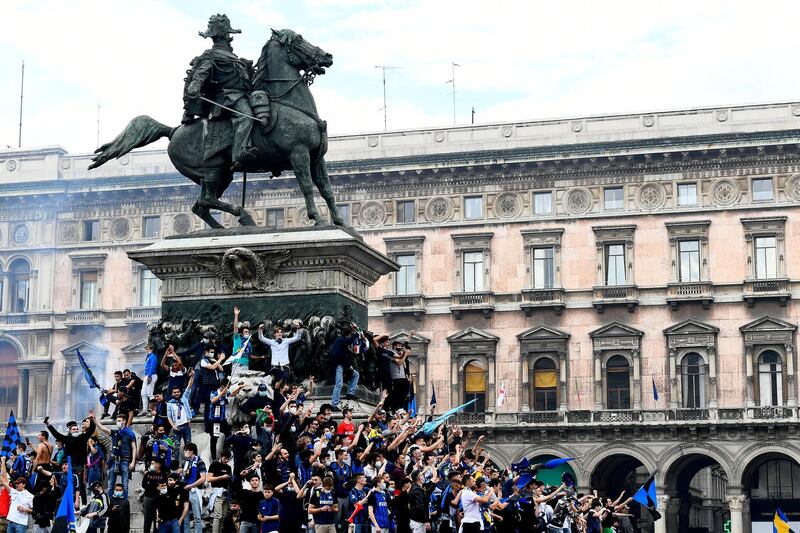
(482, 301)
(141, 315)
(552, 298)
(84, 317)
(777, 289)
(691, 291)
(627, 295)
(403, 304)
(632, 416)
(14, 319)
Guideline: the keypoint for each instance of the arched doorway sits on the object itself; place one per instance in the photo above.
(621, 472)
(697, 486)
(771, 481)
(9, 378)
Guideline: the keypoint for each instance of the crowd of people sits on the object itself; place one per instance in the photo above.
(283, 463)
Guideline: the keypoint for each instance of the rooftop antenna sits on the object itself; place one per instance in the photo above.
(473, 114)
(21, 92)
(384, 68)
(453, 81)
(98, 126)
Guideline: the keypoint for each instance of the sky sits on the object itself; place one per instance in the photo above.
(519, 60)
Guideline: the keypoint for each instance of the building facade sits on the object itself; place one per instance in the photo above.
(627, 283)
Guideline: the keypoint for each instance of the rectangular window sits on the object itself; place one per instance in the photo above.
(615, 264)
(151, 227)
(542, 203)
(473, 271)
(687, 194)
(407, 275)
(88, 290)
(766, 255)
(275, 218)
(344, 212)
(19, 295)
(405, 212)
(613, 198)
(689, 260)
(473, 207)
(91, 230)
(543, 271)
(148, 289)
(762, 190)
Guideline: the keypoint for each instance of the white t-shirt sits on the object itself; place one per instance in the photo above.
(23, 498)
(472, 509)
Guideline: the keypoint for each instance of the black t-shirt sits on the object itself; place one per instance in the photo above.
(150, 482)
(170, 505)
(250, 500)
(217, 469)
(44, 506)
(609, 519)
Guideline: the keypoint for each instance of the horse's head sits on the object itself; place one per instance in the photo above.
(301, 54)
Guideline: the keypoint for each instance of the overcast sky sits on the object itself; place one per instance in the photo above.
(519, 60)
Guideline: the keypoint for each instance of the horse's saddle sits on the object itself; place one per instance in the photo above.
(220, 131)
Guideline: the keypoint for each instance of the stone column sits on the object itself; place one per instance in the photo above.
(525, 380)
(736, 507)
(598, 381)
(791, 400)
(712, 377)
(748, 361)
(661, 525)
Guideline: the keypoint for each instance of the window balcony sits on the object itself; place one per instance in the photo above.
(14, 319)
(472, 301)
(541, 417)
(766, 289)
(553, 298)
(84, 317)
(770, 413)
(402, 304)
(142, 315)
(469, 418)
(627, 295)
(692, 291)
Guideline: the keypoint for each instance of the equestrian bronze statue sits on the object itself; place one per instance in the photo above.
(240, 117)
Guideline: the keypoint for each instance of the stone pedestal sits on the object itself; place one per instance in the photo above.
(272, 274)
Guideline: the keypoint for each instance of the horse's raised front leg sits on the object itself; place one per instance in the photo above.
(205, 215)
(319, 174)
(301, 165)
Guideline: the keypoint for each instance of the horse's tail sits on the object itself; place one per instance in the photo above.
(139, 132)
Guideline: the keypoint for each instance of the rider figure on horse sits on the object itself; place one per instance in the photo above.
(221, 76)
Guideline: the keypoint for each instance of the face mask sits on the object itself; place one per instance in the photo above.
(245, 337)
(382, 486)
(152, 468)
(293, 410)
(328, 435)
(119, 494)
(75, 433)
(120, 425)
(163, 491)
(262, 393)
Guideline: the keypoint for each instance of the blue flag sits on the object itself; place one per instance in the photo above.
(412, 401)
(520, 466)
(65, 516)
(431, 426)
(554, 463)
(655, 390)
(433, 396)
(646, 495)
(12, 437)
(87, 372)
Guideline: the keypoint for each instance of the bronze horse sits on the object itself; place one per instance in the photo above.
(297, 140)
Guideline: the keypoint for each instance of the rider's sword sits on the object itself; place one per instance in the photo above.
(251, 117)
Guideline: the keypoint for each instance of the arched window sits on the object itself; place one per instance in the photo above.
(475, 385)
(693, 374)
(9, 377)
(545, 385)
(20, 274)
(770, 378)
(618, 383)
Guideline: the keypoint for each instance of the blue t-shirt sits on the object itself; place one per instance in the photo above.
(321, 500)
(356, 495)
(377, 500)
(270, 507)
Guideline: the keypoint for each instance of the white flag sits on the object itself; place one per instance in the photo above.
(501, 395)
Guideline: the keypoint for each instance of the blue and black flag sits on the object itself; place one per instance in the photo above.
(12, 437)
(65, 516)
(90, 379)
(646, 495)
